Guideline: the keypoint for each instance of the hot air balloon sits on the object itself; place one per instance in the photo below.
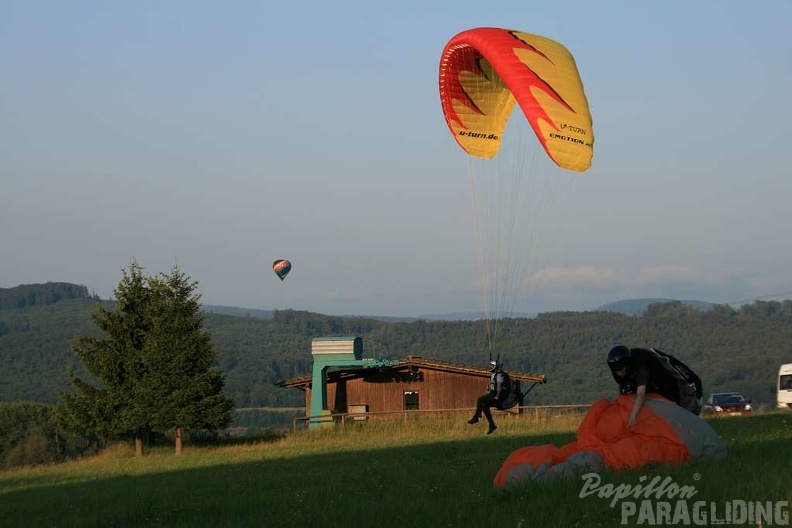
(281, 268)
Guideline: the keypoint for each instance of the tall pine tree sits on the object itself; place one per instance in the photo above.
(153, 366)
(183, 388)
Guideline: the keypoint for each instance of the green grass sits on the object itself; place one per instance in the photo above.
(428, 472)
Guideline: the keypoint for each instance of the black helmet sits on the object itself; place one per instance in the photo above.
(494, 365)
(619, 357)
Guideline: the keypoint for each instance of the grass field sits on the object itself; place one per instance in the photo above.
(428, 472)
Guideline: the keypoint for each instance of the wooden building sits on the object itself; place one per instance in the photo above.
(413, 383)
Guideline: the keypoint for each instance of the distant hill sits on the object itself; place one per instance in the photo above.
(471, 316)
(53, 292)
(640, 306)
(627, 307)
(40, 294)
(237, 312)
(269, 314)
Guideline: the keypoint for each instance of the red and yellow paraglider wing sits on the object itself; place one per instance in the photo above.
(484, 71)
(476, 102)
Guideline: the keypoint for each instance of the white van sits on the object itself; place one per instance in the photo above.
(785, 386)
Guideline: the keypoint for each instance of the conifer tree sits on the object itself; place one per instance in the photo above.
(153, 365)
(182, 388)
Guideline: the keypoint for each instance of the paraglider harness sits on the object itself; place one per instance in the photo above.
(510, 393)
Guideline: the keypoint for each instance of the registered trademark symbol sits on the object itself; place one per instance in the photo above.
(696, 476)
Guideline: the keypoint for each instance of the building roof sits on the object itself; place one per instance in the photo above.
(304, 381)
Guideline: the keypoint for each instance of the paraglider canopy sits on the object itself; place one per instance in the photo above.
(484, 72)
(487, 77)
(281, 268)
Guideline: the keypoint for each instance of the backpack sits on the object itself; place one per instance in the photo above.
(689, 384)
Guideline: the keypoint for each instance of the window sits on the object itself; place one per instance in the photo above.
(411, 400)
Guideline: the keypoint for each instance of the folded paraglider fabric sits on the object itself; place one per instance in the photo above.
(665, 434)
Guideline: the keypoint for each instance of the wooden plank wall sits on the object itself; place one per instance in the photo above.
(382, 392)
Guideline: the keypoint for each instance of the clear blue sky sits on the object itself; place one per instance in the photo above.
(221, 136)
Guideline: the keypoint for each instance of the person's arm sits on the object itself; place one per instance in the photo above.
(640, 398)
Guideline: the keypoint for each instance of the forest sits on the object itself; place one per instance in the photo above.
(731, 349)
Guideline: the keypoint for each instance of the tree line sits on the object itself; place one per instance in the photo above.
(731, 349)
(68, 351)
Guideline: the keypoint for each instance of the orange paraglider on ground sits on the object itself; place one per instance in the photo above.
(666, 434)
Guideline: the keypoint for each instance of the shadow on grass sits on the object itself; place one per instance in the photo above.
(365, 487)
(446, 483)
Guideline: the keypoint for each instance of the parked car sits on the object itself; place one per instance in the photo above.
(727, 403)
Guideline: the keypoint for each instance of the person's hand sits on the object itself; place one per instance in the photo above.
(631, 422)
